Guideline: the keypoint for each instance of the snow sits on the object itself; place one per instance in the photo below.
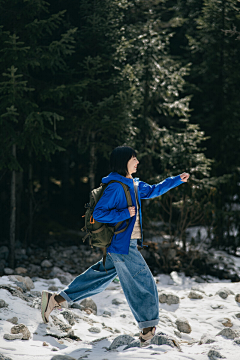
(204, 315)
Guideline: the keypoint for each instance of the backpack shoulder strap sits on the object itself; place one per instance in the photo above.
(126, 190)
(129, 202)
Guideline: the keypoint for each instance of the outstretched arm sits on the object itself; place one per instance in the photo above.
(150, 191)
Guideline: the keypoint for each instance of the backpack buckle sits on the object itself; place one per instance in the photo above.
(92, 221)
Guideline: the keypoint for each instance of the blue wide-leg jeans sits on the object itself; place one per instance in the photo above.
(136, 280)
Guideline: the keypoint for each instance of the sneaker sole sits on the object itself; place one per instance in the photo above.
(44, 303)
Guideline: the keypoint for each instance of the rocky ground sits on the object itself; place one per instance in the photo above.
(66, 262)
(197, 321)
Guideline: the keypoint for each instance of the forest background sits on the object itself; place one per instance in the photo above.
(78, 78)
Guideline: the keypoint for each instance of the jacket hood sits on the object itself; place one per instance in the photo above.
(117, 177)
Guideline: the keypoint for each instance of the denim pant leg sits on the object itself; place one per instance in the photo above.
(138, 285)
(91, 282)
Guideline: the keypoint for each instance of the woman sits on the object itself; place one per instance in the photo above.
(123, 258)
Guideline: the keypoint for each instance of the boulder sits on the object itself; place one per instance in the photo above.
(121, 340)
(13, 320)
(227, 322)
(194, 295)
(224, 292)
(8, 271)
(237, 341)
(183, 325)
(89, 303)
(12, 336)
(214, 354)
(26, 280)
(46, 264)
(134, 343)
(3, 304)
(228, 333)
(20, 270)
(163, 339)
(107, 313)
(21, 329)
(206, 339)
(168, 298)
(117, 302)
(237, 298)
(94, 330)
(53, 288)
(69, 317)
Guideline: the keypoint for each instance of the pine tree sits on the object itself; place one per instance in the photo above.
(28, 47)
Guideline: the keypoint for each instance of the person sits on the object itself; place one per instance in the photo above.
(123, 257)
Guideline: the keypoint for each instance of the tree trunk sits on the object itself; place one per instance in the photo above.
(92, 162)
(30, 189)
(65, 178)
(13, 213)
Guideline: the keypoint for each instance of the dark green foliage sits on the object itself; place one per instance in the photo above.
(79, 78)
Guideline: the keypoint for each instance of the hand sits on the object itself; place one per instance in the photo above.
(184, 177)
(132, 211)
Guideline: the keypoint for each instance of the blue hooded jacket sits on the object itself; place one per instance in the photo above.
(113, 207)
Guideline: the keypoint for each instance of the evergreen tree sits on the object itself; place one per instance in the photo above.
(28, 47)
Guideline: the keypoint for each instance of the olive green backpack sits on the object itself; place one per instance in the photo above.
(100, 234)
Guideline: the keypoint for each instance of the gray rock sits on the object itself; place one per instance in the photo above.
(60, 324)
(20, 270)
(12, 336)
(56, 271)
(13, 320)
(94, 329)
(134, 343)
(8, 271)
(3, 304)
(214, 354)
(89, 303)
(224, 292)
(26, 280)
(123, 316)
(177, 333)
(53, 288)
(194, 295)
(162, 340)
(21, 328)
(237, 315)
(206, 339)
(183, 326)
(62, 357)
(237, 298)
(21, 285)
(197, 288)
(65, 278)
(3, 357)
(107, 313)
(77, 306)
(228, 333)
(121, 340)
(117, 302)
(168, 298)
(69, 317)
(237, 341)
(46, 263)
